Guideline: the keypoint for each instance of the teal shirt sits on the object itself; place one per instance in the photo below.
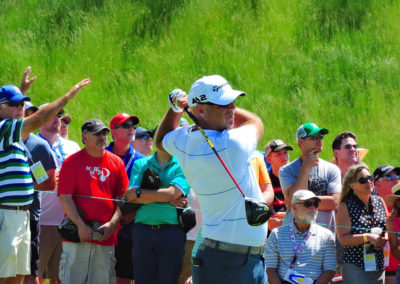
(157, 213)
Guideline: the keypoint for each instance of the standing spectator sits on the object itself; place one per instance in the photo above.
(52, 211)
(231, 249)
(123, 129)
(65, 121)
(386, 177)
(301, 248)
(30, 108)
(313, 173)
(14, 233)
(143, 142)
(38, 151)
(159, 241)
(359, 211)
(90, 173)
(277, 155)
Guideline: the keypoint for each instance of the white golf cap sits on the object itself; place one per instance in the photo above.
(303, 194)
(212, 89)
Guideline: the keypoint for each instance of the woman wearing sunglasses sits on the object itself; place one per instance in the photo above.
(358, 213)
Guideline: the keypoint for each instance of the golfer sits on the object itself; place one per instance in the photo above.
(231, 250)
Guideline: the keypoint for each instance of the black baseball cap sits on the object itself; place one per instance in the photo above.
(276, 145)
(385, 170)
(93, 125)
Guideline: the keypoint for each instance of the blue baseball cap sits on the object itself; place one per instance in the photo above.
(12, 93)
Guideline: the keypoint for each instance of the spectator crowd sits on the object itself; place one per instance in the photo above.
(125, 212)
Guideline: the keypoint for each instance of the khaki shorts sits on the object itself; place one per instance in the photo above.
(15, 243)
(87, 263)
(50, 249)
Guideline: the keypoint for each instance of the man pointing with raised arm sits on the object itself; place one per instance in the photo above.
(231, 251)
(16, 186)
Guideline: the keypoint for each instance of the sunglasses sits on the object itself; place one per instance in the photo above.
(308, 203)
(17, 104)
(103, 132)
(316, 137)
(144, 137)
(364, 180)
(125, 126)
(391, 177)
(59, 115)
(349, 146)
(219, 106)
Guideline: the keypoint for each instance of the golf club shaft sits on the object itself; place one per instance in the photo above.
(213, 148)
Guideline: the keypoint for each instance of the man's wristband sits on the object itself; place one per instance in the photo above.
(365, 238)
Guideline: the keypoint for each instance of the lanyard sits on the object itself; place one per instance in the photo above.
(60, 148)
(297, 250)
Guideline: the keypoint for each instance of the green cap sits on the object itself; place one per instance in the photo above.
(309, 129)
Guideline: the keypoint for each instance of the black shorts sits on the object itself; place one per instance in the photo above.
(35, 232)
(123, 254)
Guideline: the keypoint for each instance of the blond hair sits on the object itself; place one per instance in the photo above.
(349, 178)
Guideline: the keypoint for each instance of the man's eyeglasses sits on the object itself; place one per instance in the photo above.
(17, 104)
(316, 137)
(364, 180)
(308, 203)
(350, 146)
(125, 126)
(102, 132)
(144, 137)
(391, 177)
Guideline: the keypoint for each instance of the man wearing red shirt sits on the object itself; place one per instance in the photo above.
(91, 172)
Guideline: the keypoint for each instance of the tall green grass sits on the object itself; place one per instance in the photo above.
(334, 62)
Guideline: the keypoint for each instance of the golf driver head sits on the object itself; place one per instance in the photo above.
(257, 212)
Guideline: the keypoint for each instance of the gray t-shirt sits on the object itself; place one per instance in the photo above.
(323, 180)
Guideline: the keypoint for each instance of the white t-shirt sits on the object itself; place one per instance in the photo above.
(52, 211)
(222, 205)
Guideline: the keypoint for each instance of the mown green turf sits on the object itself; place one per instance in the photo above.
(334, 62)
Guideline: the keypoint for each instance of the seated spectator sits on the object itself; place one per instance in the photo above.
(302, 251)
(360, 211)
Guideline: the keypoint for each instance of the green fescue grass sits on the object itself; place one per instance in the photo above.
(333, 62)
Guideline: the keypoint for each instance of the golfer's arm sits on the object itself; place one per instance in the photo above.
(169, 122)
(244, 117)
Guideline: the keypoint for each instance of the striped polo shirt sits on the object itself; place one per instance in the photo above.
(16, 185)
(317, 256)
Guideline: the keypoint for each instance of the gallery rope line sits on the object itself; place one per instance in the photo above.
(199, 210)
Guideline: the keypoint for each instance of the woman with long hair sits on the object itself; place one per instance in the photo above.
(361, 218)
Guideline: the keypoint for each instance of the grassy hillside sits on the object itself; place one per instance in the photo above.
(332, 62)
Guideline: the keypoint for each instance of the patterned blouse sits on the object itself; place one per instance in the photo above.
(363, 217)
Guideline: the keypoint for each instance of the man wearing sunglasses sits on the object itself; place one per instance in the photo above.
(234, 132)
(143, 142)
(345, 150)
(301, 250)
(16, 185)
(92, 172)
(123, 130)
(313, 173)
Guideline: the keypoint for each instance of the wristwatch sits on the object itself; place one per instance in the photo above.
(138, 192)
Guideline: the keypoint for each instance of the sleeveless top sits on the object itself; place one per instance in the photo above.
(363, 217)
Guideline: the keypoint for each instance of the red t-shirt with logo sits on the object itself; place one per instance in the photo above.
(103, 177)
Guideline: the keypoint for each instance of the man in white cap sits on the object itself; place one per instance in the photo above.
(227, 237)
(301, 251)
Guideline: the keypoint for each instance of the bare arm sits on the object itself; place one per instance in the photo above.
(68, 204)
(267, 192)
(244, 117)
(169, 122)
(329, 202)
(325, 277)
(148, 196)
(393, 238)
(49, 111)
(26, 83)
(273, 276)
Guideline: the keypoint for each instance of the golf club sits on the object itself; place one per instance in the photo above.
(257, 212)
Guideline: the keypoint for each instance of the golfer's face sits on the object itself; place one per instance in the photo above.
(220, 117)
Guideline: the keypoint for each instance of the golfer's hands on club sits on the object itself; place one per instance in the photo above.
(178, 100)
